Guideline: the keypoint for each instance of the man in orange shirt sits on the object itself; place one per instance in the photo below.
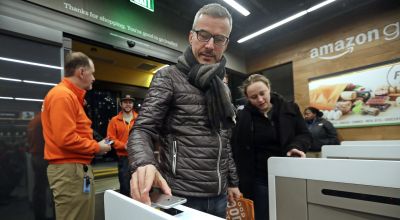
(118, 131)
(69, 144)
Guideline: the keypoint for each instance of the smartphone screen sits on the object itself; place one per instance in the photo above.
(172, 211)
(164, 201)
(107, 141)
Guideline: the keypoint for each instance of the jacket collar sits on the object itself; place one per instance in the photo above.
(80, 93)
(281, 105)
(121, 117)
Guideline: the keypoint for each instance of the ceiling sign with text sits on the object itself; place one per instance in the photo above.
(364, 97)
(126, 17)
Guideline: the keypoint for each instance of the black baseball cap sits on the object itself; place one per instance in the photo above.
(127, 97)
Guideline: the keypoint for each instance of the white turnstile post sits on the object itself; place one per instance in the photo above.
(120, 207)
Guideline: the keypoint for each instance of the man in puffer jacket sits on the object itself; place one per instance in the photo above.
(188, 112)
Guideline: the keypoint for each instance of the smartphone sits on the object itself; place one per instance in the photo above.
(160, 200)
(108, 141)
(171, 211)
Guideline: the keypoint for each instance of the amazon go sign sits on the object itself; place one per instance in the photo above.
(348, 45)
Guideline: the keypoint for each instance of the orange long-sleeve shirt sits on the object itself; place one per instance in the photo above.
(66, 128)
(118, 131)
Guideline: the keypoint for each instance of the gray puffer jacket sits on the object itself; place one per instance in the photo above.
(195, 161)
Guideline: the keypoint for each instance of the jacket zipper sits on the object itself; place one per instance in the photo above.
(218, 162)
(174, 154)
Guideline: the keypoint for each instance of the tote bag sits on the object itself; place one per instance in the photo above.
(240, 209)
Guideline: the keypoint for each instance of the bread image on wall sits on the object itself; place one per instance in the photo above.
(325, 97)
(348, 95)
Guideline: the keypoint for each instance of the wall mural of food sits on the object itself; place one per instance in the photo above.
(364, 97)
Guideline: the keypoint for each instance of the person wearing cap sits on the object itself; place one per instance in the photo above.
(69, 144)
(118, 132)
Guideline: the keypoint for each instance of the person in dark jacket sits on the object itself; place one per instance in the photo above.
(187, 113)
(268, 126)
(322, 131)
(41, 190)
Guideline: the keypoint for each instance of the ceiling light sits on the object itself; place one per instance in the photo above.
(27, 81)
(320, 5)
(41, 83)
(284, 21)
(238, 7)
(3, 97)
(162, 67)
(30, 63)
(21, 99)
(10, 79)
(32, 100)
(277, 24)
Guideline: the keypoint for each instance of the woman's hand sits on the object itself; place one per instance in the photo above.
(295, 153)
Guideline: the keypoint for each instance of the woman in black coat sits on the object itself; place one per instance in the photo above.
(267, 126)
(322, 131)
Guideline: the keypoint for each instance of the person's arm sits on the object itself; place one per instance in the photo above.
(331, 134)
(149, 122)
(143, 179)
(112, 134)
(145, 131)
(63, 122)
(233, 179)
(302, 139)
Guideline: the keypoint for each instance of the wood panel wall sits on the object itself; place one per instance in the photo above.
(369, 53)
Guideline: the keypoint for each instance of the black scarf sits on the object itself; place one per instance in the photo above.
(208, 78)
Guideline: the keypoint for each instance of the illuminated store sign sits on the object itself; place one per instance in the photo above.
(347, 45)
(147, 4)
(127, 17)
(367, 96)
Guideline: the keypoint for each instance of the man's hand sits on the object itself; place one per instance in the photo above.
(233, 193)
(295, 153)
(143, 179)
(104, 148)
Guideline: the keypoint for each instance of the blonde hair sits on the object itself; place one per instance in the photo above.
(253, 79)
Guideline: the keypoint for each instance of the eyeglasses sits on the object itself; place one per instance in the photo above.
(205, 36)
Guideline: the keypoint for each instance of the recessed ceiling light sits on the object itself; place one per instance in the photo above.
(284, 21)
(3, 97)
(238, 7)
(27, 81)
(30, 63)
(31, 100)
(10, 79)
(37, 82)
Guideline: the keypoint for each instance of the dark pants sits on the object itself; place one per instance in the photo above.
(42, 196)
(211, 205)
(124, 176)
(261, 207)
